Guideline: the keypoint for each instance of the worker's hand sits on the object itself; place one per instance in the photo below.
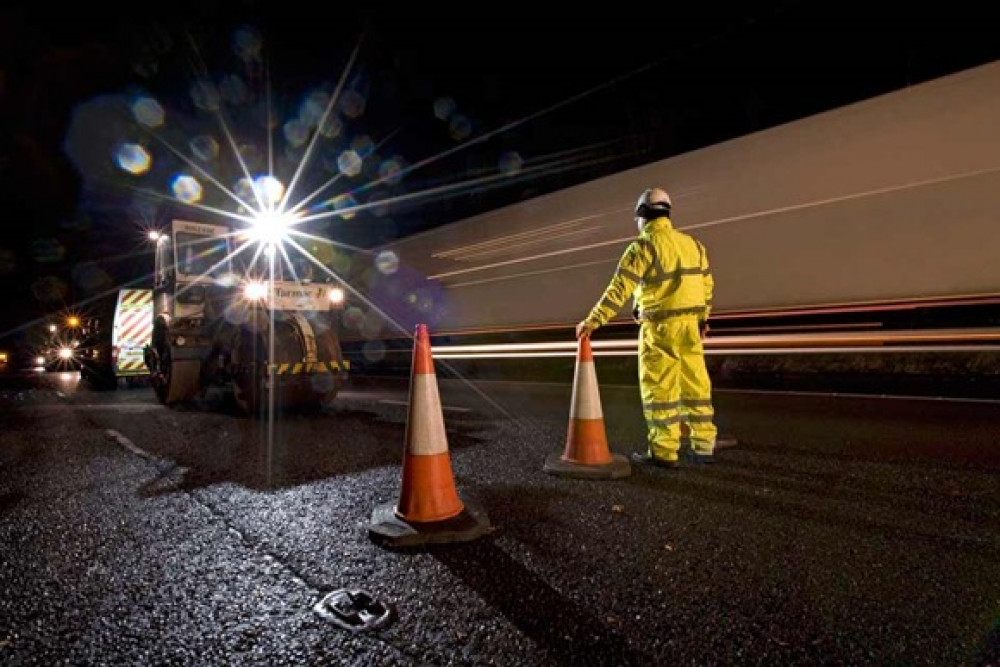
(583, 330)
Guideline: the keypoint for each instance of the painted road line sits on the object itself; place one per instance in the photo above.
(453, 408)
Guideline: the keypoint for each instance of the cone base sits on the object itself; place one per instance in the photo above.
(618, 467)
(388, 529)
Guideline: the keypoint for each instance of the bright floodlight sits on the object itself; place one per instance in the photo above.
(254, 291)
(336, 295)
(65, 353)
(154, 235)
(271, 228)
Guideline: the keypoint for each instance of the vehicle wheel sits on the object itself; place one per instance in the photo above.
(249, 390)
(173, 381)
(250, 387)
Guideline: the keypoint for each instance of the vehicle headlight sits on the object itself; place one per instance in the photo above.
(336, 295)
(254, 291)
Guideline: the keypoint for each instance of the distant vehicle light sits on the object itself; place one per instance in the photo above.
(72, 321)
(336, 295)
(254, 291)
(65, 353)
(39, 361)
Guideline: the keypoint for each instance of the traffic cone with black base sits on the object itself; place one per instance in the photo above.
(587, 455)
(429, 509)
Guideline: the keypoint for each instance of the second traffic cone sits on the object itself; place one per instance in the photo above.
(429, 508)
(586, 454)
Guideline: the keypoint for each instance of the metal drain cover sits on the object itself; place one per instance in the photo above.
(354, 609)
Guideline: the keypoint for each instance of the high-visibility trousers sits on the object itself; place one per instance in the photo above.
(675, 387)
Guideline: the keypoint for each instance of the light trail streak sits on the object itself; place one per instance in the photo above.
(471, 249)
(444, 354)
(942, 340)
(847, 197)
(525, 274)
(711, 223)
(989, 298)
(451, 188)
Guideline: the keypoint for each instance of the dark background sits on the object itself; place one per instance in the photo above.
(539, 103)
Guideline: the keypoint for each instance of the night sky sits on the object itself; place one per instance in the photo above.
(449, 112)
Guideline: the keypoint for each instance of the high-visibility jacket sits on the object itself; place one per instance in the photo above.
(665, 272)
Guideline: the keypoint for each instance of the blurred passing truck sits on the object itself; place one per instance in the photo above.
(243, 320)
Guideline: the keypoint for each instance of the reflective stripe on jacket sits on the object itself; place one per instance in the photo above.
(664, 271)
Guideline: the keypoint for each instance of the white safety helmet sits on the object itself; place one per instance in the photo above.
(653, 203)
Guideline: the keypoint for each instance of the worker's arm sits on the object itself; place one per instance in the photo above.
(631, 268)
(709, 284)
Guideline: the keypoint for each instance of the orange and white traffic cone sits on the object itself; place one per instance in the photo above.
(586, 454)
(428, 508)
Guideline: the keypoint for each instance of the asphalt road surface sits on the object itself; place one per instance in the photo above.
(840, 530)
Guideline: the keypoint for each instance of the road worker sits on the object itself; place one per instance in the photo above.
(667, 275)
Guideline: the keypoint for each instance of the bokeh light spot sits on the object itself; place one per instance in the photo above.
(205, 95)
(443, 108)
(91, 278)
(374, 350)
(47, 251)
(245, 191)
(371, 326)
(313, 107)
(133, 158)
(50, 289)
(510, 163)
(148, 112)
(296, 132)
(349, 163)
(392, 170)
(205, 148)
(345, 203)
(186, 188)
(387, 262)
(247, 44)
(352, 318)
(352, 104)
(331, 127)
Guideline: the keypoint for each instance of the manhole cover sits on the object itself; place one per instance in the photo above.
(354, 609)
